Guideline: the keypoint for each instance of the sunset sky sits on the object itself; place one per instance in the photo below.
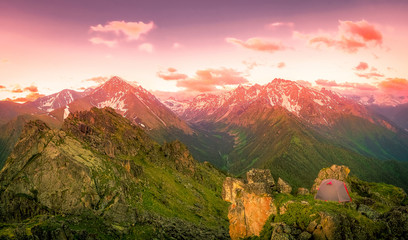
(192, 47)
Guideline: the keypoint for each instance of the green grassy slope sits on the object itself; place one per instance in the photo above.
(207, 143)
(275, 139)
(367, 138)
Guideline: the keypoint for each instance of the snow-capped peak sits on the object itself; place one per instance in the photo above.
(306, 103)
(57, 100)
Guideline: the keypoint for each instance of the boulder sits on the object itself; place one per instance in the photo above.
(305, 236)
(284, 187)
(312, 226)
(368, 212)
(334, 172)
(260, 181)
(281, 231)
(337, 227)
(303, 191)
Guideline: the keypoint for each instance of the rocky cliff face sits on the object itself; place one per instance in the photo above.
(251, 203)
(50, 172)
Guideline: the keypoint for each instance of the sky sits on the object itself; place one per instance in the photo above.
(184, 48)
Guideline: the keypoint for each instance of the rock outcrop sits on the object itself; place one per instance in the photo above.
(251, 203)
(50, 172)
(179, 157)
(303, 191)
(284, 187)
(334, 172)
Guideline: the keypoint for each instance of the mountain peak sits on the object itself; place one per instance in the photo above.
(116, 85)
(115, 80)
(280, 81)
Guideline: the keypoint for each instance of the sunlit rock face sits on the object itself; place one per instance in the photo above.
(251, 203)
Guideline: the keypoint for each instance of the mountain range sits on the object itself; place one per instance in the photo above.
(286, 127)
(294, 130)
(115, 162)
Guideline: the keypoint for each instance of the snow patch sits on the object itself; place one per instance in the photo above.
(295, 108)
(115, 103)
(318, 101)
(66, 112)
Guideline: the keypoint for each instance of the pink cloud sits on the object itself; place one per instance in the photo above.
(361, 66)
(98, 40)
(146, 47)
(29, 98)
(350, 45)
(197, 86)
(280, 24)
(398, 86)
(258, 44)
(98, 80)
(172, 70)
(31, 88)
(17, 90)
(2, 87)
(359, 86)
(207, 80)
(350, 36)
(322, 39)
(171, 74)
(281, 65)
(395, 87)
(251, 64)
(362, 29)
(349, 85)
(370, 75)
(132, 30)
(326, 83)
